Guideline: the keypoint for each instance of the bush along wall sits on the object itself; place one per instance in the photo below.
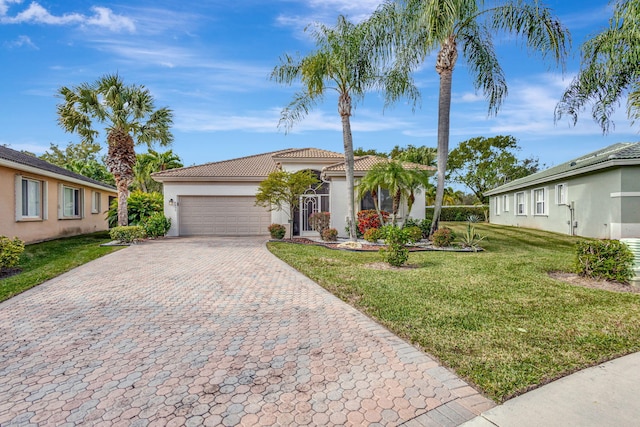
(460, 213)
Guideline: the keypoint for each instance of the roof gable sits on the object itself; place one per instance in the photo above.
(18, 158)
(606, 157)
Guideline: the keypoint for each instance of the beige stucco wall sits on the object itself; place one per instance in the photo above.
(606, 203)
(52, 227)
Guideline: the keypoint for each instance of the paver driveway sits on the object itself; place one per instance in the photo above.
(210, 331)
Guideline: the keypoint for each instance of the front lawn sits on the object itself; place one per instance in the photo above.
(44, 261)
(495, 317)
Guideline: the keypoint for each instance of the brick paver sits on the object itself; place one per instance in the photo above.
(210, 331)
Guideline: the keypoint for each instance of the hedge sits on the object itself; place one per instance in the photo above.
(459, 213)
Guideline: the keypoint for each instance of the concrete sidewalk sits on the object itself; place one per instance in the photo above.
(604, 395)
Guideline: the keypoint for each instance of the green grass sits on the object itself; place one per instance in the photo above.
(495, 317)
(43, 261)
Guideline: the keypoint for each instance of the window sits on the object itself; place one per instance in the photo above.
(95, 202)
(71, 202)
(385, 202)
(31, 198)
(521, 208)
(561, 194)
(505, 203)
(540, 206)
(496, 205)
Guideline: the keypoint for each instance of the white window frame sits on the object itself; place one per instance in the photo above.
(524, 203)
(78, 201)
(505, 203)
(40, 199)
(496, 205)
(96, 202)
(539, 206)
(561, 195)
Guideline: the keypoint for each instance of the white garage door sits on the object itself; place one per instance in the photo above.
(222, 216)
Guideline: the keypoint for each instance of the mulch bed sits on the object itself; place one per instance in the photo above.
(367, 247)
(8, 272)
(587, 282)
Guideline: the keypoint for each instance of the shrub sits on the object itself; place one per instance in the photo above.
(471, 239)
(140, 205)
(330, 235)
(157, 225)
(277, 231)
(373, 235)
(414, 234)
(442, 237)
(459, 213)
(369, 218)
(604, 259)
(395, 252)
(128, 234)
(424, 224)
(320, 221)
(10, 251)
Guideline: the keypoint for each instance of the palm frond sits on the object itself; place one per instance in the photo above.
(487, 74)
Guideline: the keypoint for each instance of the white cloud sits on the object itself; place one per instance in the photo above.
(267, 121)
(105, 18)
(326, 11)
(37, 14)
(21, 41)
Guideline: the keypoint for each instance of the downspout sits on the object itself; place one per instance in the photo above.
(572, 208)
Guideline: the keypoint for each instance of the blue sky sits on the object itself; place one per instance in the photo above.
(209, 62)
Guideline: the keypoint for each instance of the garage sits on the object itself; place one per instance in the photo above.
(222, 216)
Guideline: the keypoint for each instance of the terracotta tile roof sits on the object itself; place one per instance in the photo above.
(256, 166)
(14, 156)
(365, 163)
(313, 153)
(605, 157)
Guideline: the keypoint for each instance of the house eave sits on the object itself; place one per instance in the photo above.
(170, 179)
(37, 171)
(564, 175)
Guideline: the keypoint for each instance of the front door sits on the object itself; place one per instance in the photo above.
(309, 204)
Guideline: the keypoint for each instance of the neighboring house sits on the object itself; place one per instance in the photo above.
(41, 201)
(219, 198)
(596, 195)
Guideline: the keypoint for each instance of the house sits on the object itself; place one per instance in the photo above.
(219, 198)
(41, 201)
(596, 195)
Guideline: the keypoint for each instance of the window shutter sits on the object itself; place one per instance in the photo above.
(60, 201)
(45, 200)
(18, 197)
(82, 207)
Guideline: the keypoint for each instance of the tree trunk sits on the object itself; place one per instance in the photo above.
(344, 109)
(123, 194)
(445, 63)
(121, 158)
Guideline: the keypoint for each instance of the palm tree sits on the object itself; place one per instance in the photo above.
(422, 155)
(149, 163)
(419, 27)
(343, 62)
(394, 177)
(126, 112)
(610, 69)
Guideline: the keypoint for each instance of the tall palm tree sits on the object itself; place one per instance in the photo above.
(610, 69)
(420, 27)
(127, 112)
(342, 62)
